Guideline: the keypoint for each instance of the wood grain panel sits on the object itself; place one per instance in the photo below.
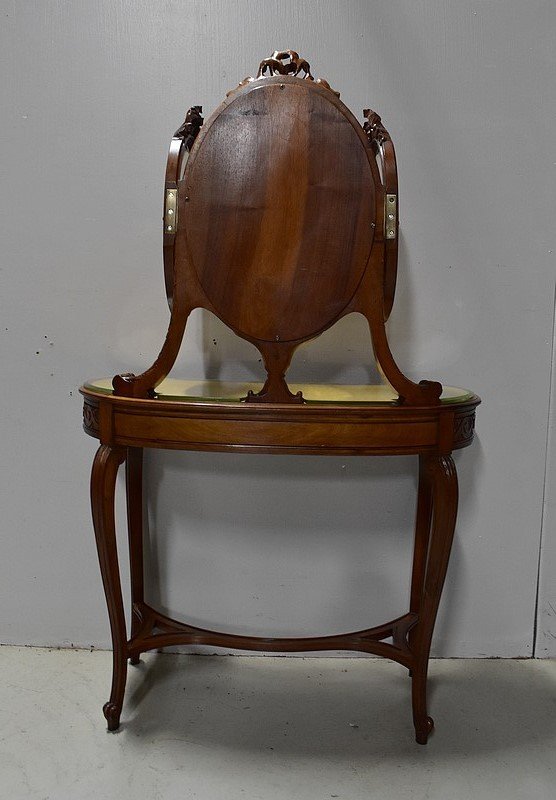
(280, 212)
(404, 436)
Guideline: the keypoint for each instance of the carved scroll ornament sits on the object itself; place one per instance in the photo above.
(90, 417)
(464, 428)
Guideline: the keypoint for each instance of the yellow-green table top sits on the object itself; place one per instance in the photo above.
(230, 392)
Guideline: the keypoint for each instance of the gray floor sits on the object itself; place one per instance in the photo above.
(220, 728)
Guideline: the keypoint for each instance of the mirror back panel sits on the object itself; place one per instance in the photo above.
(279, 209)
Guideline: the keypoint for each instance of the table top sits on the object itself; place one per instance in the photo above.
(174, 389)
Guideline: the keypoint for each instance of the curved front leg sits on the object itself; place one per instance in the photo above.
(103, 484)
(438, 475)
(422, 534)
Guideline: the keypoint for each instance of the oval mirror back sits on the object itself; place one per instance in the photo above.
(280, 216)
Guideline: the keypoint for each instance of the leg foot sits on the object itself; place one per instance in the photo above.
(134, 660)
(422, 732)
(112, 714)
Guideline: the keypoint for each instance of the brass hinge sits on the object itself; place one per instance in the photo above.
(391, 217)
(171, 211)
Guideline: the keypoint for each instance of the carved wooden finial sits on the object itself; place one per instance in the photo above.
(373, 127)
(189, 128)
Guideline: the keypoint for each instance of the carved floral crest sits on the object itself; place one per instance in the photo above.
(286, 62)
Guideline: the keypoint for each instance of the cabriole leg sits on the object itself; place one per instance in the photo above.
(422, 533)
(134, 499)
(103, 484)
(437, 510)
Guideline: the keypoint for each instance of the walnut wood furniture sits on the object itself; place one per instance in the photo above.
(280, 217)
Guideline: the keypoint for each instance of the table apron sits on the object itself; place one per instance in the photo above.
(193, 433)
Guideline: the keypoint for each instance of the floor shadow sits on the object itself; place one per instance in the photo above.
(313, 707)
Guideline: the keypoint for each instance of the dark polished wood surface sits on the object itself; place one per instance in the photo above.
(323, 429)
(288, 218)
(277, 224)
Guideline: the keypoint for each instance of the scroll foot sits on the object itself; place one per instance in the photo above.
(423, 730)
(112, 714)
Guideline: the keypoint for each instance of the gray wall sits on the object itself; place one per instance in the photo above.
(546, 611)
(92, 92)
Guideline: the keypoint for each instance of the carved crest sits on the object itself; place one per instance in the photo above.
(286, 62)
